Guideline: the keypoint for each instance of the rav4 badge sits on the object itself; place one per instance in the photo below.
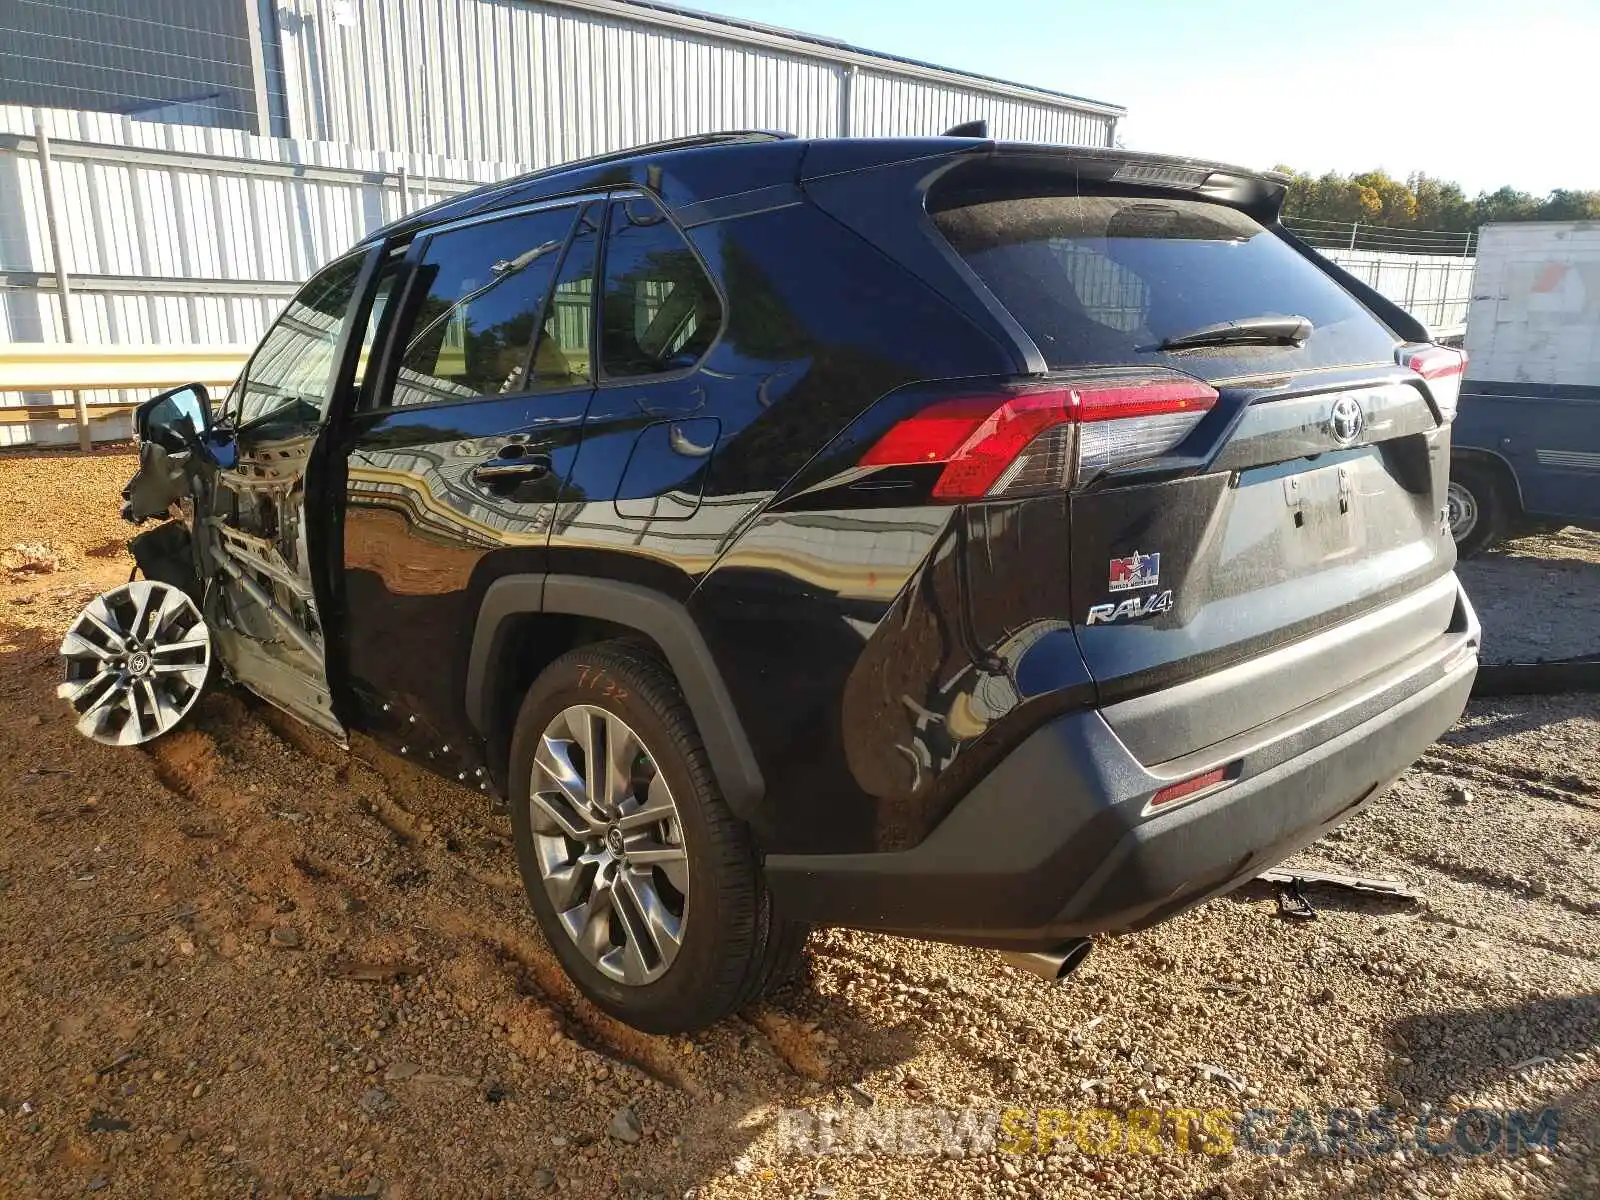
(1130, 609)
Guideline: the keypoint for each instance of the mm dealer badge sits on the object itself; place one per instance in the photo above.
(1134, 573)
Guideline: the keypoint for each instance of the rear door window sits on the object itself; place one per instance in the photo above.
(659, 312)
(564, 355)
(486, 285)
(1103, 280)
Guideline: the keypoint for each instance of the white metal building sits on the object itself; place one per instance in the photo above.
(544, 81)
(527, 81)
(209, 154)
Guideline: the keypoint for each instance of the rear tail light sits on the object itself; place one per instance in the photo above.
(1044, 436)
(1443, 368)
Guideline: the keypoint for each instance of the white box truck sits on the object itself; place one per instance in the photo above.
(1526, 443)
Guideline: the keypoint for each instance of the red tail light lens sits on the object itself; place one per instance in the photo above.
(1174, 792)
(1443, 368)
(976, 437)
(1022, 439)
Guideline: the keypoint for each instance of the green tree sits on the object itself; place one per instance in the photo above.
(1440, 205)
(1395, 202)
(1423, 202)
(1506, 204)
(1564, 205)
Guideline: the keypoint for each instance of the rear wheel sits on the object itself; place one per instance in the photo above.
(1475, 506)
(645, 884)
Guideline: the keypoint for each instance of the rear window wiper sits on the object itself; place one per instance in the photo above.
(1267, 331)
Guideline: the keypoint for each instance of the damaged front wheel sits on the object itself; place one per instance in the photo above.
(134, 662)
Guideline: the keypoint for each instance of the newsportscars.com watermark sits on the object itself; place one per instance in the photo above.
(1358, 1133)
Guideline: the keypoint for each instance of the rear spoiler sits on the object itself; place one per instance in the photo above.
(1259, 193)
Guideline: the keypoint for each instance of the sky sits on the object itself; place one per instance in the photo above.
(1482, 93)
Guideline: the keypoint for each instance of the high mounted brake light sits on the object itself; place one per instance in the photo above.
(1022, 439)
(1443, 368)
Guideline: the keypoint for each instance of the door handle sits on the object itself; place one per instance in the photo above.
(512, 470)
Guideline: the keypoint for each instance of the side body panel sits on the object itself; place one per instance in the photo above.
(797, 600)
(423, 542)
(676, 495)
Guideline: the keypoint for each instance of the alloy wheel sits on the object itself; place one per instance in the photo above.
(1461, 510)
(134, 662)
(609, 844)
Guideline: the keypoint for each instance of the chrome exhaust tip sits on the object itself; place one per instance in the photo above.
(1051, 965)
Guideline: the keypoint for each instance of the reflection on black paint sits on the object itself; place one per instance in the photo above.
(868, 701)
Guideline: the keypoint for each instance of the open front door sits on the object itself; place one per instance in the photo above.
(268, 595)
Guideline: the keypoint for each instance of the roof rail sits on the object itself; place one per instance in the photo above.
(479, 199)
(721, 137)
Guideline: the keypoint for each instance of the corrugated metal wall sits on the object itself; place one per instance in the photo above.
(892, 106)
(182, 235)
(185, 235)
(543, 83)
(495, 80)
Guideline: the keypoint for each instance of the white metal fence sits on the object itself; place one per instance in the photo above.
(1389, 239)
(1434, 288)
(178, 235)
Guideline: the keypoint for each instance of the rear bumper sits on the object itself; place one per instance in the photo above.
(1055, 842)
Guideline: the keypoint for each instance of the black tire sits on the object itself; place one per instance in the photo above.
(734, 948)
(1480, 488)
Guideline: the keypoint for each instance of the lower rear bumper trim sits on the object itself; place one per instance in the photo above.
(1054, 843)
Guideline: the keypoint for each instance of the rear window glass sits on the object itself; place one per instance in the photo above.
(1105, 279)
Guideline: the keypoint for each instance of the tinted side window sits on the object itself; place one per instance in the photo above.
(473, 330)
(288, 375)
(659, 312)
(564, 356)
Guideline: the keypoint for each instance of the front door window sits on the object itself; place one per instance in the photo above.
(285, 387)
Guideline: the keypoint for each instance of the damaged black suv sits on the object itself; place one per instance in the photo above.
(991, 543)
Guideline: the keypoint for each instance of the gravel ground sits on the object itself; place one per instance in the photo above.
(1538, 597)
(245, 962)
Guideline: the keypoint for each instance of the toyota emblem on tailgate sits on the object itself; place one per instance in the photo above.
(1346, 421)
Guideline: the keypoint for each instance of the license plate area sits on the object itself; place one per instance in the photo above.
(1323, 516)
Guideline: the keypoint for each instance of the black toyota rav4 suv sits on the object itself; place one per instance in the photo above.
(991, 543)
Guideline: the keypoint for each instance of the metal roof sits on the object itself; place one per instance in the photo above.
(830, 49)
